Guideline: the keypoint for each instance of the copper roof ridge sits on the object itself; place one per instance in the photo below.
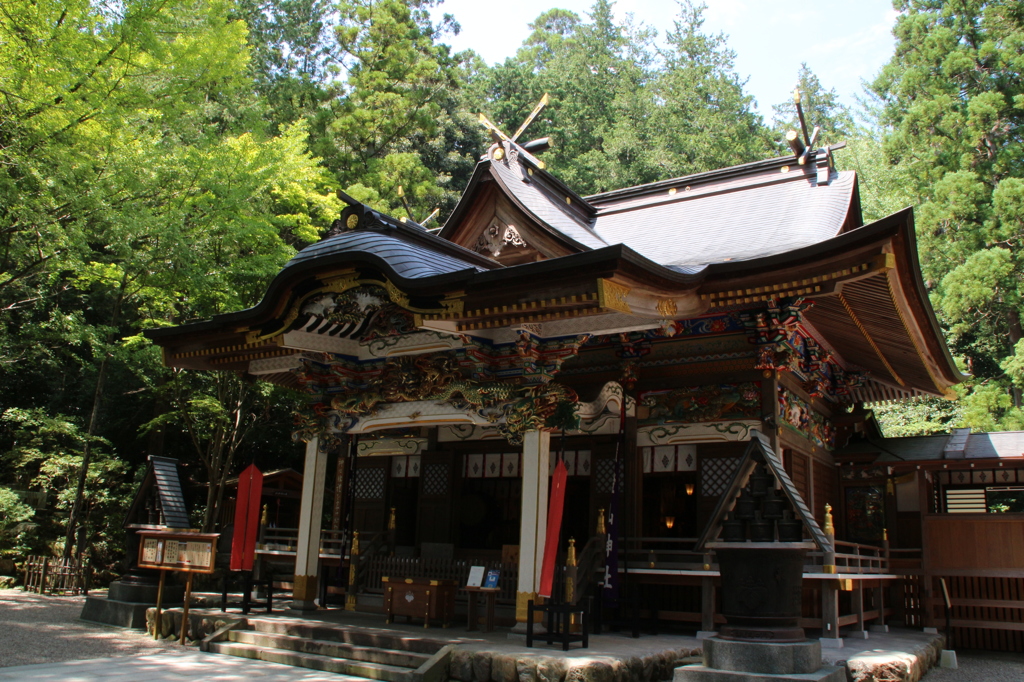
(710, 191)
(740, 170)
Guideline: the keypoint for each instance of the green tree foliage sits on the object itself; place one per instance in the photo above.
(821, 107)
(137, 187)
(624, 111)
(380, 94)
(953, 103)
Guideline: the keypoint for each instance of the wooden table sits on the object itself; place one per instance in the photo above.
(419, 598)
(489, 594)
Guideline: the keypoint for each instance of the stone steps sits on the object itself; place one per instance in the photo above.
(329, 664)
(368, 637)
(355, 652)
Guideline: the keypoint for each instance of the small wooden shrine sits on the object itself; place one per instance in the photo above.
(641, 335)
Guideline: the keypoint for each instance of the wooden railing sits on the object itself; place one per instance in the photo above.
(47, 575)
(665, 553)
(852, 557)
(332, 542)
(589, 569)
(678, 554)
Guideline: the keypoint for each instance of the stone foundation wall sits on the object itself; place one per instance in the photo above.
(906, 665)
(494, 666)
(170, 624)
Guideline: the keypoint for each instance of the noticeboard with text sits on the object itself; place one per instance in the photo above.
(178, 551)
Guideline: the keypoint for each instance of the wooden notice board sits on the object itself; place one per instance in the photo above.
(177, 551)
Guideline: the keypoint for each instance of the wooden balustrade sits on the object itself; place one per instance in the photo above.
(332, 542)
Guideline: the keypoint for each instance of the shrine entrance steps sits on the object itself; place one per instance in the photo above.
(372, 654)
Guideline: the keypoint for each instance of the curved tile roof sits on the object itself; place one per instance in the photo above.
(408, 259)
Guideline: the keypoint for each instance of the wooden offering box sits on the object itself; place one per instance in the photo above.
(420, 598)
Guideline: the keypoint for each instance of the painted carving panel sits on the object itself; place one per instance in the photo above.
(707, 403)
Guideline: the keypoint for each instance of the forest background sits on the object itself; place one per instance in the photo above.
(160, 161)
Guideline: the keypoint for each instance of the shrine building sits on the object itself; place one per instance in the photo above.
(639, 335)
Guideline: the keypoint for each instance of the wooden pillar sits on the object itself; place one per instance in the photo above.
(927, 578)
(830, 614)
(533, 519)
(634, 480)
(770, 408)
(862, 628)
(340, 486)
(307, 554)
(707, 606)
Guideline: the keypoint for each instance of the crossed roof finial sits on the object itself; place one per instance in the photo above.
(535, 146)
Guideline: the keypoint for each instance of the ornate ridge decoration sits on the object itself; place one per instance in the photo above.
(796, 414)
(497, 236)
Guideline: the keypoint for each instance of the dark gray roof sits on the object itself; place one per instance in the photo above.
(408, 259)
(737, 219)
(541, 197)
(171, 498)
(740, 213)
(996, 445)
(162, 474)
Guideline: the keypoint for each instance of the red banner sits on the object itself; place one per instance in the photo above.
(247, 519)
(555, 506)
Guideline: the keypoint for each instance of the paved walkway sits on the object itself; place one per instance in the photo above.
(168, 666)
(42, 640)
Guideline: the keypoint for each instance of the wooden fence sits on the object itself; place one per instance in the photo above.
(47, 575)
(980, 557)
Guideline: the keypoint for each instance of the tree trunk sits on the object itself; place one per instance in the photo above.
(97, 400)
(1016, 333)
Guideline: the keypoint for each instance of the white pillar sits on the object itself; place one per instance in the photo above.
(533, 519)
(307, 554)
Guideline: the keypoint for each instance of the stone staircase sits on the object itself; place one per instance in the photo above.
(373, 654)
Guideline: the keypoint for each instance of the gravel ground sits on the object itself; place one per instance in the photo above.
(981, 666)
(35, 629)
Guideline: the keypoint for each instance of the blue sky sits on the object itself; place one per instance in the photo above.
(843, 42)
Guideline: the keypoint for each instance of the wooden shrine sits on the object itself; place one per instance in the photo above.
(642, 336)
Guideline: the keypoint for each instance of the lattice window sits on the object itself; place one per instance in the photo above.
(604, 472)
(715, 475)
(369, 484)
(435, 479)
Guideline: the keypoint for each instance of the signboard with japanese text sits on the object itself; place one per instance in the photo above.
(178, 551)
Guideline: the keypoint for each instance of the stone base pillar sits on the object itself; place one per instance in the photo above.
(738, 661)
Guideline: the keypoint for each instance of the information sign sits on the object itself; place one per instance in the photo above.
(174, 550)
(177, 551)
